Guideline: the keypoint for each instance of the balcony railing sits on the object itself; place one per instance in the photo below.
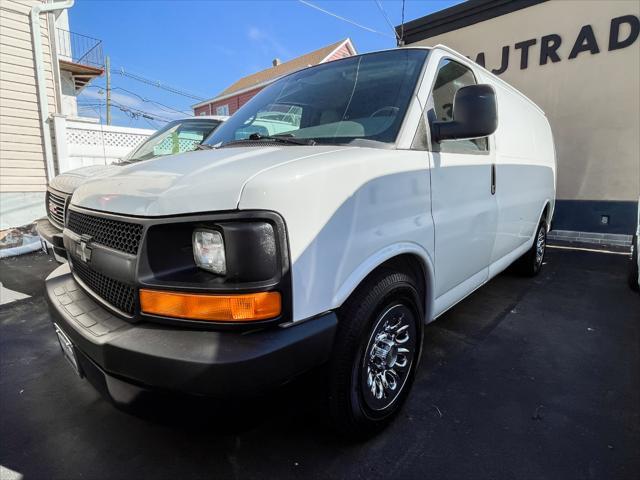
(80, 49)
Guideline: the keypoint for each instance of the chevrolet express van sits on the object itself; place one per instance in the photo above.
(407, 179)
(179, 136)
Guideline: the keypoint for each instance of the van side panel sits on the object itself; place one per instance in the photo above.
(525, 169)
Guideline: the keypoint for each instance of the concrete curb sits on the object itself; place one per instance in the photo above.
(603, 239)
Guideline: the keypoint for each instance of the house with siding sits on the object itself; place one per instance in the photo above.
(43, 67)
(240, 92)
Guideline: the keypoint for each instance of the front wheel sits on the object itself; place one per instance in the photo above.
(376, 353)
(530, 263)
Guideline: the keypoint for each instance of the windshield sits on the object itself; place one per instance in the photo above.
(361, 98)
(175, 137)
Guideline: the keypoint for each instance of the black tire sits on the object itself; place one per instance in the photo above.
(364, 366)
(633, 267)
(531, 262)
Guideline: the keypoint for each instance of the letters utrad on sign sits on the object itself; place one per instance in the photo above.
(623, 32)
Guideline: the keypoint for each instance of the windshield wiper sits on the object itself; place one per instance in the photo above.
(204, 146)
(128, 161)
(283, 139)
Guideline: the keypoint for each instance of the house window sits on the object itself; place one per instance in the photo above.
(222, 110)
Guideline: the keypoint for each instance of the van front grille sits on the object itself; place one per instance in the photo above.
(114, 292)
(56, 207)
(116, 234)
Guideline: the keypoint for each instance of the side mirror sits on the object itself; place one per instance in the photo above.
(475, 115)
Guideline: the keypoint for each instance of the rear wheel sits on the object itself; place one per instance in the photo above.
(530, 263)
(376, 353)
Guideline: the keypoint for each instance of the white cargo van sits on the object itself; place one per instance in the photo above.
(405, 180)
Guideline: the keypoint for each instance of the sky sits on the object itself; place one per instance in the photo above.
(201, 47)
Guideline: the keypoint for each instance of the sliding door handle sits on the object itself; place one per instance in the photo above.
(493, 179)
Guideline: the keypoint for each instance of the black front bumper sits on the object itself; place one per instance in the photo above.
(52, 235)
(201, 362)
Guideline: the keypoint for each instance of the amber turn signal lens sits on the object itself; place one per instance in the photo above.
(218, 308)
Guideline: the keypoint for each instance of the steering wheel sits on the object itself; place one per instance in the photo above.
(393, 111)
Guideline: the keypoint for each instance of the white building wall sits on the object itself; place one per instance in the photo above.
(22, 161)
(68, 94)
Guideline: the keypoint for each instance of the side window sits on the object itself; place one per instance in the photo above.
(451, 77)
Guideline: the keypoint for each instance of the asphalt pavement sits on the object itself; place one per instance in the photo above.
(527, 378)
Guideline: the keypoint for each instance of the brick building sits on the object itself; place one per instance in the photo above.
(240, 92)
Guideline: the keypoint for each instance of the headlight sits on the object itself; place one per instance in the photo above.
(208, 251)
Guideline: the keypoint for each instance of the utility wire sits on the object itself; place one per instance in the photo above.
(142, 113)
(131, 111)
(309, 4)
(157, 83)
(146, 100)
(384, 14)
(150, 123)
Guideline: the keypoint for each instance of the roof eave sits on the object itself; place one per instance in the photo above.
(460, 16)
(347, 41)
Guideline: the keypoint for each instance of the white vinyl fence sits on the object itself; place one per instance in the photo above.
(81, 143)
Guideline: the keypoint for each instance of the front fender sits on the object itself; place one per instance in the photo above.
(346, 213)
(378, 258)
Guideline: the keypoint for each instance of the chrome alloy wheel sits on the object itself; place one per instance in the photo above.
(388, 357)
(540, 245)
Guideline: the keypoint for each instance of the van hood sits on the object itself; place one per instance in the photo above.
(67, 182)
(193, 182)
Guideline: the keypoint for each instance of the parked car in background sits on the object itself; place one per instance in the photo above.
(410, 178)
(634, 264)
(178, 136)
(280, 119)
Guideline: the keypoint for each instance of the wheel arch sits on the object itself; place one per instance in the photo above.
(547, 213)
(409, 258)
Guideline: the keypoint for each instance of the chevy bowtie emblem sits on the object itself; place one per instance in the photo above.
(83, 248)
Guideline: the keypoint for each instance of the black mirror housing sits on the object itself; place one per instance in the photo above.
(475, 115)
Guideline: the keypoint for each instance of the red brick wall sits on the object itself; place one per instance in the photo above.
(203, 110)
(234, 103)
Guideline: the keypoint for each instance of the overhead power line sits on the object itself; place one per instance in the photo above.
(147, 100)
(384, 14)
(132, 111)
(138, 112)
(344, 19)
(158, 84)
(149, 122)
